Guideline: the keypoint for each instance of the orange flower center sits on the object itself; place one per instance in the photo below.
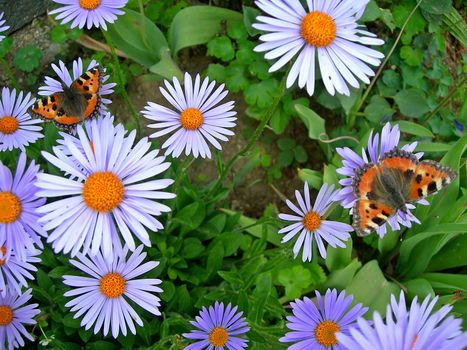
(191, 119)
(10, 208)
(112, 285)
(8, 124)
(218, 336)
(325, 333)
(89, 4)
(318, 29)
(2, 261)
(311, 221)
(6, 315)
(103, 191)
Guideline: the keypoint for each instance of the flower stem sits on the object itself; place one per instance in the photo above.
(258, 132)
(353, 115)
(9, 73)
(120, 82)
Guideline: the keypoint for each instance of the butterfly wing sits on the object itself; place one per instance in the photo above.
(69, 108)
(371, 209)
(430, 177)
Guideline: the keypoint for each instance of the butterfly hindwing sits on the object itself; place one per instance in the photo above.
(369, 215)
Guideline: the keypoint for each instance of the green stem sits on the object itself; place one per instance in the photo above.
(448, 97)
(9, 73)
(258, 132)
(120, 81)
(381, 67)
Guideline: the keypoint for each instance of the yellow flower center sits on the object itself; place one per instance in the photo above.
(10, 208)
(2, 261)
(112, 285)
(318, 29)
(8, 124)
(103, 191)
(191, 119)
(89, 4)
(311, 221)
(6, 315)
(325, 333)
(218, 336)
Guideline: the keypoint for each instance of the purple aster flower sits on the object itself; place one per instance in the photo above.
(103, 296)
(218, 328)
(327, 33)
(17, 128)
(414, 329)
(14, 271)
(53, 86)
(315, 326)
(90, 12)
(13, 317)
(376, 149)
(109, 191)
(309, 221)
(4, 28)
(197, 118)
(19, 226)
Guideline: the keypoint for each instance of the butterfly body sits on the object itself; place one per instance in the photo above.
(76, 103)
(386, 187)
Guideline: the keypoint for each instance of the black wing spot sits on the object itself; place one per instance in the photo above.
(87, 96)
(378, 221)
(370, 195)
(420, 192)
(54, 107)
(418, 178)
(367, 211)
(409, 173)
(427, 174)
(373, 206)
(86, 88)
(385, 213)
(444, 182)
(52, 98)
(80, 82)
(432, 187)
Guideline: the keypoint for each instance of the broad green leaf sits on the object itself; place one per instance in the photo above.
(313, 122)
(349, 102)
(372, 12)
(418, 287)
(412, 103)
(139, 38)
(437, 7)
(249, 17)
(296, 280)
(414, 129)
(377, 109)
(453, 254)
(341, 278)
(166, 67)
(370, 288)
(338, 258)
(196, 25)
(433, 147)
(313, 177)
(446, 282)
(221, 47)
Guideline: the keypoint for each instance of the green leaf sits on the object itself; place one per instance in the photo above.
(27, 58)
(285, 159)
(372, 12)
(370, 288)
(69, 321)
(286, 144)
(221, 47)
(412, 56)
(412, 103)
(414, 129)
(166, 67)
(349, 102)
(446, 282)
(452, 255)
(138, 37)
(377, 109)
(300, 154)
(192, 248)
(249, 17)
(341, 278)
(295, 280)
(5, 46)
(457, 26)
(433, 147)
(313, 177)
(197, 25)
(338, 258)
(313, 122)
(437, 7)
(418, 287)
(261, 94)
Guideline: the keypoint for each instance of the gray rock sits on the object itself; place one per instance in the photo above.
(18, 13)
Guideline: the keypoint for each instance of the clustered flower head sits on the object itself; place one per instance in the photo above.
(308, 222)
(92, 13)
(326, 35)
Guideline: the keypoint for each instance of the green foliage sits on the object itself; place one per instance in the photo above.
(27, 58)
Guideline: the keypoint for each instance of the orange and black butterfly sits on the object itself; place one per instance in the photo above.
(75, 104)
(385, 187)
